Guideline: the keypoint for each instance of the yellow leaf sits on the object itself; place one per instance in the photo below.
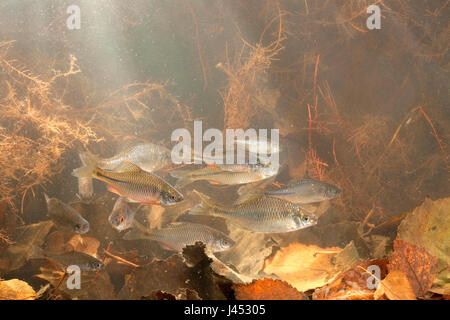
(308, 267)
(16, 289)
(395, 286)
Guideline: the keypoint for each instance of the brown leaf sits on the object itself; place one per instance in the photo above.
(267, 289)
(159, 295)
(395, 286)
(16, 289)
(55, 241)
(183, 294)
(83, 244)
(93, 286)
(308, 267)
(428, 226)
(416, 263)
(193, 272)
(25, 239)
(249, 253)
(352, 284)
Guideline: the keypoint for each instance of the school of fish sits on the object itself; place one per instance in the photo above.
(136, 174)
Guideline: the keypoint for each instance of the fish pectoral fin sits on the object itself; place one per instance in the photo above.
(165, 246)
(278, 185)
(113, 190)
(132, 200)
(157, 203)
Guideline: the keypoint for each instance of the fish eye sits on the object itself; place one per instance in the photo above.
(77, 226)
(224, 243)
(122, 219)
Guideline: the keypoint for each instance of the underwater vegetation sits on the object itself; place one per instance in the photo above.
(363, 118)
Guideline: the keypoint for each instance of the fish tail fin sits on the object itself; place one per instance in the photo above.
(184, 177)
(89, 162)
(203, 208)
(85, 188)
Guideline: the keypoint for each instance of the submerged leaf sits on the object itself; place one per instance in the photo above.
(86, 245)
(267, 289)
(395, 286)
(25, 239)
(308, 267)
(16, 289)
(416, 263)
(353, 284)
(192, 272)
(428, 226)
(249, 252)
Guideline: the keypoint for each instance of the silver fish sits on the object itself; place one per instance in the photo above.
(84, 261)
(258, 146)
(122, 215)
(130, 181)
(65, 217)
(177, 235)
(148, 156)
(259, 214)
(219, 176)
(302, 191)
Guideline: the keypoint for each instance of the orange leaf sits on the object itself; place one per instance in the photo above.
(88, 245)
(308, 266)
(395, 286)
(416, 263)
(267, 289)
(352, 284)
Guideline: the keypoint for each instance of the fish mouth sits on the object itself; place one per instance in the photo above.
(333, 193)
(171, 200)
(82, 229)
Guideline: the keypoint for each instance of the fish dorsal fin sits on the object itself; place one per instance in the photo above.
(175, 224)
(248, 197)
(128, 166)
(204, 197)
